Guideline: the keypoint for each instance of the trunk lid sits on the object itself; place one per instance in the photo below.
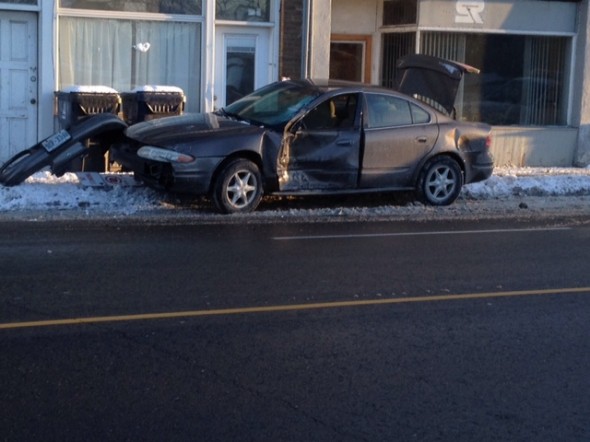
(432, 78)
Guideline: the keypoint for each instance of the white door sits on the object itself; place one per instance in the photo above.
(242, 62)
(18, 82)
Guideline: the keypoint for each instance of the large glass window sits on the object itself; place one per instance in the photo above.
(20, 2)
(191, 7)
(243, 10)
(124, 54)
(522, 79)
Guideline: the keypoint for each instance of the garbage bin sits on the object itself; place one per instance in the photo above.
(77, 102)
(151, 102)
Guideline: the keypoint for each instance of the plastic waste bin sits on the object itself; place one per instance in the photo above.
(77, 102)
(150, 102)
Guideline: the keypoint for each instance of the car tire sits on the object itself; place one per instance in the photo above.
(238, 187)
(440, 181)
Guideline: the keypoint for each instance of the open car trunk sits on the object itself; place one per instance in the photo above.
(432, 78)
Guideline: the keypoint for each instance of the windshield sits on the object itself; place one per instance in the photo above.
(273, 105)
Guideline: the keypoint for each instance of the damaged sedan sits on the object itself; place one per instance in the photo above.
(300, 137)
(309, 137)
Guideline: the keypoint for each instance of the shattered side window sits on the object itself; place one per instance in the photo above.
(335, 113)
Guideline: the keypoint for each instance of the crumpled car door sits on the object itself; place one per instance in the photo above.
(432, 78)
(321, 151)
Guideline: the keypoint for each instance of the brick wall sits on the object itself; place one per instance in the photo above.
(290, 56)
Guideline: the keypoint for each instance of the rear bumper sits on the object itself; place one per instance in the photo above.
(479, 172)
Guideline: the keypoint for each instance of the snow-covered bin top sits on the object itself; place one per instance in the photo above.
(90, 89)
(158, 88)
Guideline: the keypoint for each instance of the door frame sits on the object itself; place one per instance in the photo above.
(263, 71)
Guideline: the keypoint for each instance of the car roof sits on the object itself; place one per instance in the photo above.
(328, 85)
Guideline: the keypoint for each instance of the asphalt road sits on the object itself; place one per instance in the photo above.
(295, 332)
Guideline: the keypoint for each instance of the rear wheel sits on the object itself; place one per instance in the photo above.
(238, 187)
(440, 181)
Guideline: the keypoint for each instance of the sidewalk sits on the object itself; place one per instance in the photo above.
(520, 190)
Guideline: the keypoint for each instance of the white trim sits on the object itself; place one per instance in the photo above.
(151, 16)
(250, 24)
(492, 31)
(208, 59)
(46, 65)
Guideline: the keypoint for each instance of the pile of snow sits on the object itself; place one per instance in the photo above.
(510, 182)
(120, 194)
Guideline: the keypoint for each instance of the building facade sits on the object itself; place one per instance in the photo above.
(533, 57)
(215, 51)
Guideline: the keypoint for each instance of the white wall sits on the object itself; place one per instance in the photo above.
(319, 35)
(354, 16)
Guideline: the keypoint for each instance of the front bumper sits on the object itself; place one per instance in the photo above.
(194, 178)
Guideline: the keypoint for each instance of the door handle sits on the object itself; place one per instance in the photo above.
(344, 142)
(421, 139)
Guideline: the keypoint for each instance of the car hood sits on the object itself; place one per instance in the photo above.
(180, 129)
(432, 78)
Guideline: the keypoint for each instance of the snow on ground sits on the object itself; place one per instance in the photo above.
(509, 190)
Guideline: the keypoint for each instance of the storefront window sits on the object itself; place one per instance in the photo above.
(124, 54)
(522, 79)
(188, 7)
(399, 12)
(395, 45)
(243, 10)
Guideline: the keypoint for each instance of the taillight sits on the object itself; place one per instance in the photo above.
(489, 141)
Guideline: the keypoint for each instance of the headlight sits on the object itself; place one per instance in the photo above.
(163, 155)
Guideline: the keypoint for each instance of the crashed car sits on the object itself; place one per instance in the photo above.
(318, 137)
(305, 137)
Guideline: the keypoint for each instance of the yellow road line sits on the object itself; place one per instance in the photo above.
(286, 308)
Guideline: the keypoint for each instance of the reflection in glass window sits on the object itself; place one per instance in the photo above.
(387, 111)
(243, 10)
(185, 7)
(239, 72)
(523, 79)
(123, 54)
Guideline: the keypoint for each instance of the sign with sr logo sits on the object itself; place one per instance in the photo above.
(469, 11)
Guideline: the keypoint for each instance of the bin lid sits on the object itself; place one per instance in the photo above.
(90, 89)
(158, 88)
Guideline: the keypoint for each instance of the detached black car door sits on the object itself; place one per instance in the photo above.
(322, 150)
(398, 134)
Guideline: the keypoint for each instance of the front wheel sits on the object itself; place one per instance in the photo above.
(440, 181)
(238, 187)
